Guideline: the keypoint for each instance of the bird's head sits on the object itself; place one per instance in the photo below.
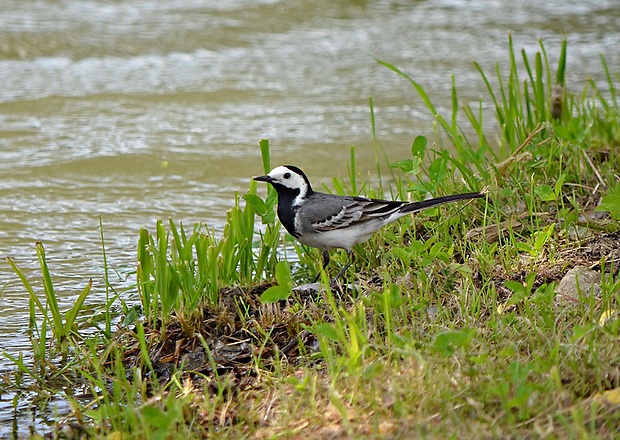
(287, 178)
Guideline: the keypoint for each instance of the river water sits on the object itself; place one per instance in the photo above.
(133, 111)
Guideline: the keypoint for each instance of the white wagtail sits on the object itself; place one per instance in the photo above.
(328, 221)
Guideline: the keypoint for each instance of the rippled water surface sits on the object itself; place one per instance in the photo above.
(132, 111)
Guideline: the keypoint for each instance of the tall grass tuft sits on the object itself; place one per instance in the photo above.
(521, 106)
(62, 325)
(178, 271)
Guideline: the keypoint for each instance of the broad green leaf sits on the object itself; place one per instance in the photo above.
(155, 417)
(418, 149)
(329, 331)
(398, 253)
(408, 166)
(275, 294)
(557, 189)
(580, 332)
(285, 284)
(256, 202)
(447, 342)
(545, 193)
(521, 291)
(438, 170)
(611, 203)
(515, 286)
(542, 236)
(283, 275)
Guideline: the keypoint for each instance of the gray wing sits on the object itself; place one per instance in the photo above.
(326, 212)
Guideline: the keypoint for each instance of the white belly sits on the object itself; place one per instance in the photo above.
(344, 238)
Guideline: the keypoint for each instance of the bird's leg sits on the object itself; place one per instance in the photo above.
(325, 263)
(346, 266)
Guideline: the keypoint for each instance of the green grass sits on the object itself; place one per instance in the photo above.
(455, 329)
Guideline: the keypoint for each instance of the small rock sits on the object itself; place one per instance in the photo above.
(575, 232)
(578, 280)
(308, 288)
(313, 288)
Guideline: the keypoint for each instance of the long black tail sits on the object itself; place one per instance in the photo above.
(425, 204)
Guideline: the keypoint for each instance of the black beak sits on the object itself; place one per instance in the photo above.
(264, 179)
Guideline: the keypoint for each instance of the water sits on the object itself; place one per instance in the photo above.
(131, 111)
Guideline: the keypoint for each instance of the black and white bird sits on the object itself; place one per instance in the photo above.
(328, 221)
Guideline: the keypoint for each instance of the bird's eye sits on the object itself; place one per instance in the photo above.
(287, 175)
